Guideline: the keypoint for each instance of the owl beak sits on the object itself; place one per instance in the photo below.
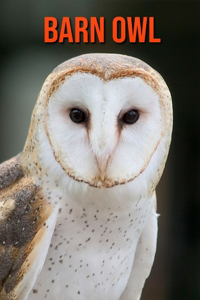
(102, 163)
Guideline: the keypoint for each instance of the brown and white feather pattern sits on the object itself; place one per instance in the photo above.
(24, 210)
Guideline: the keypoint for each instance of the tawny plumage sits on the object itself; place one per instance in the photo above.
(77, 206)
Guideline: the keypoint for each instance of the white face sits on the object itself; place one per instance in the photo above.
(102, 149)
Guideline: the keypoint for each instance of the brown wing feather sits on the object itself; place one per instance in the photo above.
(23, 213)
(10, 171)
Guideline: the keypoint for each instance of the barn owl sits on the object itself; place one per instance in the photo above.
(78, 205)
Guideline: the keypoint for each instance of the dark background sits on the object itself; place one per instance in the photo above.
(25, 62)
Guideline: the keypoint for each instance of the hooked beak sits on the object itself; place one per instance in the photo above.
(102, 163)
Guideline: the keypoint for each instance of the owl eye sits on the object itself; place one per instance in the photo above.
(77, 116)
(131, 117)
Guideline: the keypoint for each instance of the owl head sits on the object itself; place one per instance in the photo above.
(102, 119)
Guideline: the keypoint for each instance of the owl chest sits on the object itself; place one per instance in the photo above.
(91, 254)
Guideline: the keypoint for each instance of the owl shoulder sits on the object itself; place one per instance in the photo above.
(10, 171)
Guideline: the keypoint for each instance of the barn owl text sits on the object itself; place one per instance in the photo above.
(130, 29)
